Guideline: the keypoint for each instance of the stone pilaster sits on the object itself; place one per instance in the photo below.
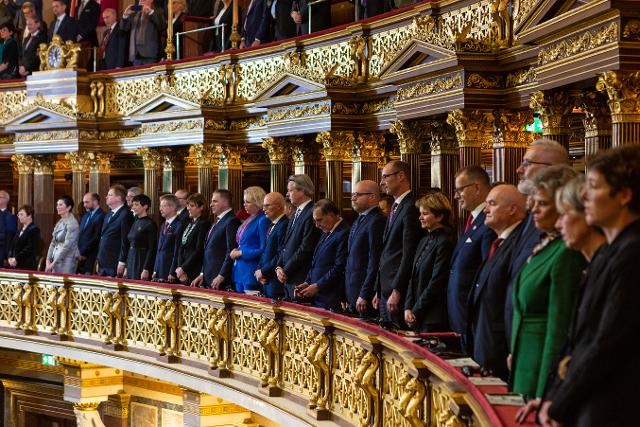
(206, 159)
(173, 169)
(623, 91)
(555, 109)
(152, 160)
(509, 141)
(444, 157)
(411, 135)
(79, 161)
(597, 122)
(24, 164)
(230, 171)
(100, 175)
(306, 159)
(116, 410)
(279, 153)
(368, 149)
(335, 148)
(43, 195)
(470, 127)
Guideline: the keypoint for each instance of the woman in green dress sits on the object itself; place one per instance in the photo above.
(544, 291)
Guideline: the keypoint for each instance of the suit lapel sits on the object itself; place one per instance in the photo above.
(399, 210)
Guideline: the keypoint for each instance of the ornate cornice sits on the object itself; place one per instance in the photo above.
(479, 81)
(521, 77)
(63, 108)
(248, 124)
(24, 163)
(50, 135)
(171, 126)
(299, 111)
(335, 144)
(431, 86)
(582, 42)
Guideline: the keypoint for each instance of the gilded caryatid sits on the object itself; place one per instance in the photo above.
(114, 310)
(317, 356)
(23, 298)
(218, 328)
(269, 340)
(57, 301)
(411, 399)
(168, 317)
(366, 379)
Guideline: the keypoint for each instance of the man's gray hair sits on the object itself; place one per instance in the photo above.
(304, 183)
(135, 190)
(550, 145)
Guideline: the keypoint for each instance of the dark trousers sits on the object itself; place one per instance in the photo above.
(396, 320)
(289, 289)
(107, 272)
(274, 289)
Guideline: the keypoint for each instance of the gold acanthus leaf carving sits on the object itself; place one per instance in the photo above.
(410, 135)
(46, 136)
(24, 163)
(478, 81)
(170, 127)
(430, 87)
(521, 77)
(622, 90)
(278, 149)
(299, 112)
(580, 43)
(632, 29)
(335, 144)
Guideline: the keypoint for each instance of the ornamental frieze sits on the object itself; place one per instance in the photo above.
(175, 126)
(47, 136)
(299, 112)
(247, 124)
(479, 81)
(521, 77)
(580, 43)
(431, 87)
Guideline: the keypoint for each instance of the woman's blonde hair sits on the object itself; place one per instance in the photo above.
(255, 195)
(438, 204)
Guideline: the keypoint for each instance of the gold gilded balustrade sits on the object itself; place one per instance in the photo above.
(325, 366)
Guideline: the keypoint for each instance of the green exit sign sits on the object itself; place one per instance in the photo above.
(48, 359)
(536, 126)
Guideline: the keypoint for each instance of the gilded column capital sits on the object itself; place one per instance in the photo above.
(206, 155)
(368, 147)
(597, 118)
(151, 157)
(86, 406)
(44, 164)
(443, 138)
(335, 144)
(509, 128)
(555, 110)
(24, 163)
(173, 158)
(303, 152)
(79, 160)
(277, 148)
(469, 126)
(229, 155)
(100, 162)
(624, 98)
(411, 135)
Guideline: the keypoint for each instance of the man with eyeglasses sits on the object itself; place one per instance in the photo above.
(183, 213)
(8, 226)
(472, 188)
(364, 246)
(400, 240)
(274, 209)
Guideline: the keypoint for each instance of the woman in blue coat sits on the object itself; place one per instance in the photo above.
(251, 237)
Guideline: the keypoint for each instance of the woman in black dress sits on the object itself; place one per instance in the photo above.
(142, 236)
(24, 251)
(425, 308)
(188, 261)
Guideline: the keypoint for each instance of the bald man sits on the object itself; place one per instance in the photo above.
(365, 247)
(274, 209)
(486, 342)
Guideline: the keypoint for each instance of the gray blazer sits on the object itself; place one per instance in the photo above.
(145, 32)
(64, 245)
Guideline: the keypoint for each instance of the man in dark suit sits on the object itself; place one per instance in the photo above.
(325, 280)
(301, 238)
(90, 229)
(277, 23)
(320, 17)
(365, 247)
(114, 244)
(221, 239)
(486, 342)
(29, 59)
(87, 14)
(8, 226)
(167, 240)
(401, 236)
(252, 23)
(114, 42)
(183, 213)
(472, 187)
(64, 26)
(266, 272)
(145, 29)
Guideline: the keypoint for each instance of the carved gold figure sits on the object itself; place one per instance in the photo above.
(269, 340)
(167, 317)
(366, 380)
(218, 328)
(317, 356)
(411, 400)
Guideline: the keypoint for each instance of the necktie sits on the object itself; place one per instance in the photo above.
(393, 212)
(165, 228)
(56, 27)
(295, 217)
(81, 8)
(109, 217)
(211, 229)
(469, 222)
(494, 247)
(273, 224)
(21, 231)
(105, 40)
(26, 42)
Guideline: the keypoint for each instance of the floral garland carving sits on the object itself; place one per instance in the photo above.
(430, 87)
(579, 43)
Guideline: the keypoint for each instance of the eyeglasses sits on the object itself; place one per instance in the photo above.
(526, 163)
(461, 189)
(391, 174)
(356, 195)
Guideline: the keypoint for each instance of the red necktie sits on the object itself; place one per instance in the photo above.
(469, 222)
(273, 224)
(105, 39)
(211, 229)
(393, 212)
(494, 247)
(166, 227)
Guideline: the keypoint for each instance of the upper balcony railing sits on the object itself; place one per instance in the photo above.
(311, 363)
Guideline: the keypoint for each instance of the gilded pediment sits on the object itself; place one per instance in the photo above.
(418, 55)
(286, 86)
(530, 13)
(164, 103)
(35, 115)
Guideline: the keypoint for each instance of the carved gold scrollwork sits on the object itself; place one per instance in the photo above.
(509, 128)
(23, 297)
(555, 108)
(230, 155)
(278, 149)
(359, 49)
(622, 90)
(100, 162)
(170, 320)
(218, 328)
(335, 144)
(24, 163)
(412, 399)
(411, 135)
(269, 339)
(317, 356)
(365, 378)
(151, 157)
(441, 412)
(78, 160)
(583, 42)
(469, 126)
(368, 147)
(115, 311)
(97, 98)
(632, 29)
(206, 155)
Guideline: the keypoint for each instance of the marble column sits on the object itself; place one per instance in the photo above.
(43, 199)
(24, 163)
(152, 160)
(207, 160)
(411, 135)
(596, 121)
(510, 141)
(306, 158)
(368, 149)
(279, 152)
(335, 148)
(100, 175)
(79, 161)
(116, 410)
(470, 127)
(623, 91)
(173, 169)
(555, 107)
(444, 157)
(230, 171)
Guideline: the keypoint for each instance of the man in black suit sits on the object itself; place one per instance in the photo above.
(221, 239)
(114, 243)
(266, 272)
(29, 59)
(8, 226)
(277, 23)
(486, 341)
(167, 240)
(183, 213)
(64, 25)
(145, 30)
(325, 281)
(472, 188)
(90, 229)
(87, 14)
(252, 23)
(401, 236)
(365, 247)
(301, 238)
(114, 42)
(320, 17)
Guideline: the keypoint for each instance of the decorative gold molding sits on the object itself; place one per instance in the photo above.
(78, 160)
(411, 135)
(206, 155)
(278, 149)
(521, 77)
(579, 43)
(430, 87)
(622, 90)
(478, 81)
(335, 144)
(152, 158)
(68, 110)
(299, 111)
(470, 126)
(46, 136)
(171, 127)
(368, 147)
(24, 163)
(632, 29)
